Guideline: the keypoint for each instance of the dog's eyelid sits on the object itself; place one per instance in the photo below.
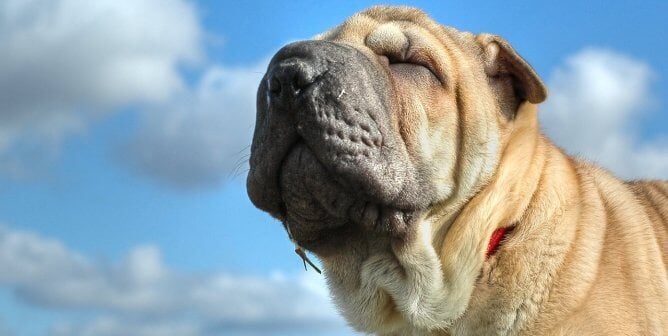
(414, 58)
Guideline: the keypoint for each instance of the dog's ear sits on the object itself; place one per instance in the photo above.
(509, 70)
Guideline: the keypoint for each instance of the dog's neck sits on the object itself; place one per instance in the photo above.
(498, 204)
(463, 247)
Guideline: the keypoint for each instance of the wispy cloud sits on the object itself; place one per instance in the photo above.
(201, 138)
(596, 100)
(114, 326)
(142, 296)
(67, 62)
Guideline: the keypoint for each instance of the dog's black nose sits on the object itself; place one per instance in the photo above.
(288, 78)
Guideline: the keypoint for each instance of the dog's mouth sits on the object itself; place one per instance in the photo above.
(327, 158)
(321, 211)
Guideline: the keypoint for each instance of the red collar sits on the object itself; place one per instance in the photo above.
(496, 239)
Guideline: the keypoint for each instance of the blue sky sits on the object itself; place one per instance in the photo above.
(124, 126)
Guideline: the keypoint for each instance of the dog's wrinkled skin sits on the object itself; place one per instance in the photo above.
(393, 147)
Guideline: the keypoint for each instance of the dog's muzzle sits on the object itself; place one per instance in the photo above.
(326, 153)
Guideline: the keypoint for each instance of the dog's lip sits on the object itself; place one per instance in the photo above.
(387, 221)
(368, 204)
(282, 215)
(363, 213)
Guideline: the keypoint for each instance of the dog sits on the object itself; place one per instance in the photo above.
(408, 157)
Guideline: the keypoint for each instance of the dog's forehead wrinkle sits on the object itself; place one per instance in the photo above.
(387, 38)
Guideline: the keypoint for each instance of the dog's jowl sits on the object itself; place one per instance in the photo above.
(407, 156)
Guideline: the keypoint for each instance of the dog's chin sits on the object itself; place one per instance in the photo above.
(323, 212)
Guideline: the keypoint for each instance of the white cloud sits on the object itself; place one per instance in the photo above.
(202, 137)
(111, 326)
(142, 296)
(596, 100)
(67, 62)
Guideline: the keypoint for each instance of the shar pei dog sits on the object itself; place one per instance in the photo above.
(407, 156)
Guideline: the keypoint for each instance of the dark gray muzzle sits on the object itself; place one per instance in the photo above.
(326, 151)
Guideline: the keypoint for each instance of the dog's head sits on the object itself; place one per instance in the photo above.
(362, 131)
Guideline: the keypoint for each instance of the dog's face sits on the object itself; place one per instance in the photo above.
(374, 127)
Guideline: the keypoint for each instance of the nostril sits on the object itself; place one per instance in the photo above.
(290, 77)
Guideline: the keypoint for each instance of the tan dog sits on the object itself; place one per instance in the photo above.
(395, 148)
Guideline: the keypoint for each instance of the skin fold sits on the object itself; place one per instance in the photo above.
(393, 147)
